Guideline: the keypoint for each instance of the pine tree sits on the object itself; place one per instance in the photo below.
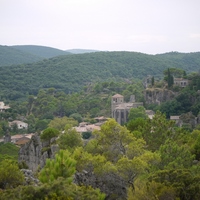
(62, 166)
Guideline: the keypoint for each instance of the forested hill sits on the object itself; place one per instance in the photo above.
(13, 55)
(79, 51)
(71, 72)
(42, 51)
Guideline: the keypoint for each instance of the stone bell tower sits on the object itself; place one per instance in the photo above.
(116, 100)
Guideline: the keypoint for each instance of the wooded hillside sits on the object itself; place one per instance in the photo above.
(70, 73)
(11, 56)
(42, 51)
(20, 54)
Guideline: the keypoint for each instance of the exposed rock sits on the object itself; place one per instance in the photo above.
(158, 95)
(7, 138)
(111, 184)
(29, 177)
(35, 153)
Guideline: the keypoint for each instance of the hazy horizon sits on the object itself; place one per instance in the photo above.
(145, 26)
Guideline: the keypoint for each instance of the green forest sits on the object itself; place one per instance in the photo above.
(145, 158)
(70, 73)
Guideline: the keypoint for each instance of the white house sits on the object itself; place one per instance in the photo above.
(20, 124)
(3, 107)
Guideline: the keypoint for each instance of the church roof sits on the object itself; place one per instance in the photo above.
(117, 95)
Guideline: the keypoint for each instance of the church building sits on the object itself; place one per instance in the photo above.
(121, 109)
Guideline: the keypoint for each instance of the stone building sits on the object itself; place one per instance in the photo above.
(121, 109)
(20, 124)
(181, 82)
(3, 107)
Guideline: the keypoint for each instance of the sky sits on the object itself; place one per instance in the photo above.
(146, 26)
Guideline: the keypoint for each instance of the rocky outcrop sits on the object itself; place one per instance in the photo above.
(158, 95)
(111, 184)
(29, 177)
(35, 153)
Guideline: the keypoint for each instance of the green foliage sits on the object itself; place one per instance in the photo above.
(76, 116)
(138, 112)
(152, 81)
(136, 124)
(48, 134)
(8, 150)
(157, 130)
(60, 189)
(114, 141)
(12, 56)
(170, 79)
(62, 166)
(174, 156)
(86, 135)
(176, 72)
(10, 175)
(183, 181)
(61, 123)
(41, 51)
(71, 73)
(70, 140)
(196, 144)
(4, 127)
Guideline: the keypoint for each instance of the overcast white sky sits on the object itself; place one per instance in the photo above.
(147, 26)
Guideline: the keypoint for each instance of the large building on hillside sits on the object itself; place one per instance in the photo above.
(181, 82)
(121, 109)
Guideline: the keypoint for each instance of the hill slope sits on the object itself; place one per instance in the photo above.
(70, 73)
(11, 56)
(79, 51)
(41, 51)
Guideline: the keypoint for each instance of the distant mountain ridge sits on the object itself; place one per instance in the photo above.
(41, 51)
(80, 51)
(22, 54)
(12, 56)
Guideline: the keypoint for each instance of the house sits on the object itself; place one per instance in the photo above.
(85, 127)
(121, 109)
(20, 124)
(177, 120)
(22, 140)
(181, 82)
(100, 120)
(150, 113)
(18, 139)
(3, 107)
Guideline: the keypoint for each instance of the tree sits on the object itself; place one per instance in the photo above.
(157, 130)
(174, 156)
(61, 123)
(196, 144)
(76, 116)
(176, 72)
(62, 166)
(170, 79)
(48, 134)
(60, 189)
(41, 124)
(10, 175)
(183, 181)
(114, 141)
(70, 140)
(136, 124)
(152, 81)
(138, 112)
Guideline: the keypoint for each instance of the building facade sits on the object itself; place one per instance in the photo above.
(181, 82)
(121, 109)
